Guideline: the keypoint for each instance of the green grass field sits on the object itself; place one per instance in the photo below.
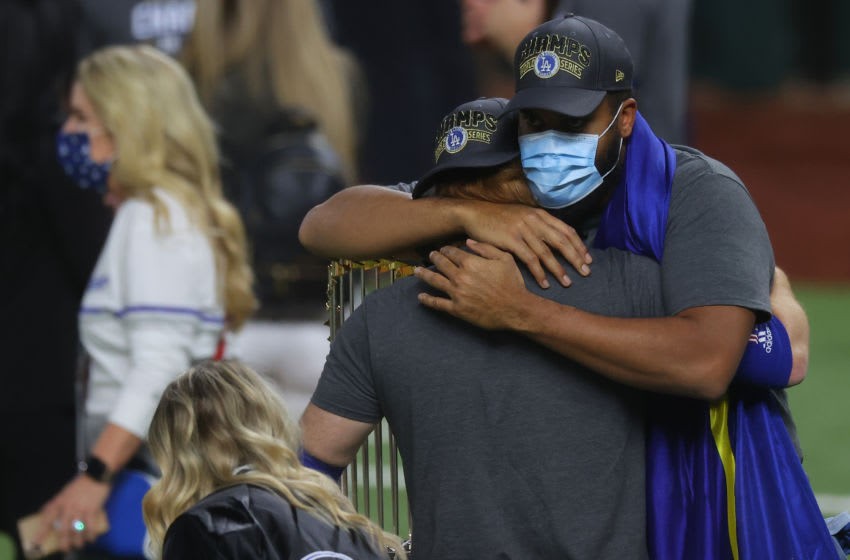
(820, 404)
(7, 549)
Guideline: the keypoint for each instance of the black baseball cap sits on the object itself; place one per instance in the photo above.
(568, 64)
(470, 137)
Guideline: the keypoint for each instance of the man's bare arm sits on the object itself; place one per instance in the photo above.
(788, 310)
(331, 438)
(694, 353)
(369, 221)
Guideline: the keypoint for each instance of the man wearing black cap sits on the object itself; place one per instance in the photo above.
(602, 168)
(509, 450)
(591, 158)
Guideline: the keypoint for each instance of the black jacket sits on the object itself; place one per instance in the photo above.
(249, 522)
(51, 231)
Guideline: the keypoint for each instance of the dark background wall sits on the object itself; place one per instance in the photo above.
(770, 97)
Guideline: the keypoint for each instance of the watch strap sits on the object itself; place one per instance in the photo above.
(95, 469)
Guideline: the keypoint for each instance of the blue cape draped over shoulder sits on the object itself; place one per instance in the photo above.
(723, 479)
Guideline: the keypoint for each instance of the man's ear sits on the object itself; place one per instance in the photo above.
(627, 117)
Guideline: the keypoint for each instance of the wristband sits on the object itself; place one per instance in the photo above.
(767, 360)
(95, 469)
(334, 472)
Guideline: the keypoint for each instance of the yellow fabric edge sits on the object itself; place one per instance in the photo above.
(719, 419)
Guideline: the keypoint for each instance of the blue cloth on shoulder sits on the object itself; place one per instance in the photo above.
(635, 218)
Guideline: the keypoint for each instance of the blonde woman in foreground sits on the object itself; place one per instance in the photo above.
(173, 274)
(232, 485)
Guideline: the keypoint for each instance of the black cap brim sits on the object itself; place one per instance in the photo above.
(480, 160)
(574, 102)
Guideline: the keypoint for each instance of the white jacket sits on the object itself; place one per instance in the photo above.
(151, 308)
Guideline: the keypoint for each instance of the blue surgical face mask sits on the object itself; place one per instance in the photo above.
(561, 166)
(73, 150)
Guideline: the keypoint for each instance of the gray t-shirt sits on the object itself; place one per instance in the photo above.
(403, 187)
(716, 247)
(509, 450)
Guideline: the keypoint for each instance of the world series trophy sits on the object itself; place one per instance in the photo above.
(365, 479)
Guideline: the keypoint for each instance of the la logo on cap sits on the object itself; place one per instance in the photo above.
(460, 128)
(618, 76)
(546, 64)
(456, 139)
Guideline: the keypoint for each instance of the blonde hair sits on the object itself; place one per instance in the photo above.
(505, 184)
(284, 50)
(165, 139)
(219, 416)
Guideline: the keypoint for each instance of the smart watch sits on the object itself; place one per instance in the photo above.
(95, 469)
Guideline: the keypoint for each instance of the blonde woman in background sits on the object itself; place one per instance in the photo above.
(265, 55)
(232, 486)
(173, 274)
(266, 68)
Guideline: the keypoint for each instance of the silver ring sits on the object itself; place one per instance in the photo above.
(78, 526)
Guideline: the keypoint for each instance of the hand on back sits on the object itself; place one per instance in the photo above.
(532, 235)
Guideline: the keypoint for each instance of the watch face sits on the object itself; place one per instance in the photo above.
(95, 468)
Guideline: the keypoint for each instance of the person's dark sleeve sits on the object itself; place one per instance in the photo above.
(188, 538)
